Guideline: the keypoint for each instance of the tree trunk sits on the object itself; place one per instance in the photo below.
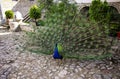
(36, 22)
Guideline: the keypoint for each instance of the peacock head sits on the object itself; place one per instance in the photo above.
(56, 45)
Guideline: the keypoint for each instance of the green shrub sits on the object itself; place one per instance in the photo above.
(114, 24)
(40, 23)
(99, 11)
(62, 14)
(35, 13)
(114, 28)
(9, 14)
(45, 4)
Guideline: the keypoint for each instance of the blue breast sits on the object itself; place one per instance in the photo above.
(56, 54)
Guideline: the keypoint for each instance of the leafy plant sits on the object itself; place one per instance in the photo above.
(99, 11)
(114, 28)
(62, 14)
(9, 14)
(114, 23)
(45, 4)
(35, 13)
(40, 23)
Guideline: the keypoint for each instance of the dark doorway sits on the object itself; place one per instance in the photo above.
(85, 11)
(114, 13)
(114, 24)
(113, 10)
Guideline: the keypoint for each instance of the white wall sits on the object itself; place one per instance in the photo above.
(7, 5)
(20, 5)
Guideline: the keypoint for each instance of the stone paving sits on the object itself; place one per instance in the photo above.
(18, 64)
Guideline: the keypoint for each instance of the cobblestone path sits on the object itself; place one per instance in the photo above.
(18, 64)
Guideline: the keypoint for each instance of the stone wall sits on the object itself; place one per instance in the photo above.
(23, 6)
(89, 1)
(114, 4)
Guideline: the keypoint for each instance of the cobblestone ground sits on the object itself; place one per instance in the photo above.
(18, 64)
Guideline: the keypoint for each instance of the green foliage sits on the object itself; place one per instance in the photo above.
(9, 14)
(76, 42)
(99, 11)
(62, 14)
(45, 4)
(114, 28)
(78, 37)
(60, 48)
(114, 24)
(40, 23)
(35, 12)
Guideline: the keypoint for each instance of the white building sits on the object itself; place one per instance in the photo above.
(23, 6)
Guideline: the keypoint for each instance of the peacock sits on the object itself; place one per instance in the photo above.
(58, 52)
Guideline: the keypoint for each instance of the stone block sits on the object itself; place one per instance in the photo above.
(26, 27)
(14, 26)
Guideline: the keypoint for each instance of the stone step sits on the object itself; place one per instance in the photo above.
(27, 18)
(26, 27)
(3, 28)
(114, 47)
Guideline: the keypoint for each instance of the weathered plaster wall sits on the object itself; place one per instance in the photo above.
(7, 5)
(114, 4)
(20, 5)
(23, 6)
